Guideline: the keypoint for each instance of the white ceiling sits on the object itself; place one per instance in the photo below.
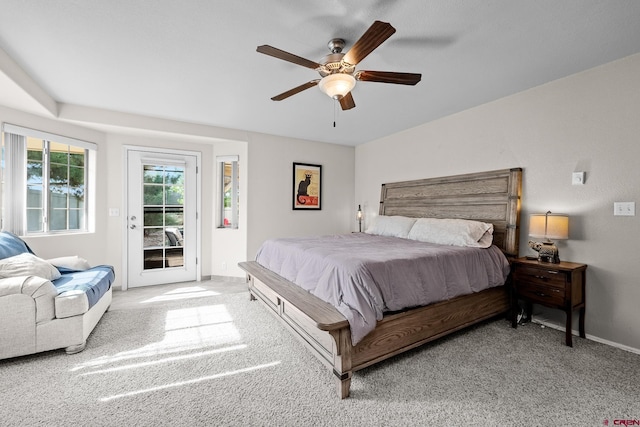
(196, 61)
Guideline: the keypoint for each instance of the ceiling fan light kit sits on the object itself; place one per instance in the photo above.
(338, 70)
(337, 85)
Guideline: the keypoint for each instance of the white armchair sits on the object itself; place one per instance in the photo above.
(38, 315)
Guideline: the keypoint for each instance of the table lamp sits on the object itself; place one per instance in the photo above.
(359, 218)
(548, 226)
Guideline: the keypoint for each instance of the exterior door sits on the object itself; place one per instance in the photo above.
(161, 218)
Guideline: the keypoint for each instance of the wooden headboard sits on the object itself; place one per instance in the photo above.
(492, 197)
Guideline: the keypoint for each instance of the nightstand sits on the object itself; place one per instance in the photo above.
(559, 286)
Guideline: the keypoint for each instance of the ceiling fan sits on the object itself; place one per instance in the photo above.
(338, 70)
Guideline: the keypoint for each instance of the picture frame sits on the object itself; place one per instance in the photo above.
(307, 186)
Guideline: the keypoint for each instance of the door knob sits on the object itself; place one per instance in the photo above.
(132, 226)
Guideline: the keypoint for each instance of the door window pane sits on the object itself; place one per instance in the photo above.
(153, 237)
(174, 216)
(163, 194)
(153, 217)
(153, 194)
(152, 174)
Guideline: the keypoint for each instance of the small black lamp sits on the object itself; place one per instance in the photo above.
(359, 218)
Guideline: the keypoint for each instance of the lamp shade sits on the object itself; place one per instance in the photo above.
(337, 85)
(549, 226)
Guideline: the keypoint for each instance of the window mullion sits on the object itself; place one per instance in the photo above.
(68, 204)
(46, 195)
(87, 195)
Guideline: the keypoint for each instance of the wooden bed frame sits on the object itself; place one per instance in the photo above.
(486, 196)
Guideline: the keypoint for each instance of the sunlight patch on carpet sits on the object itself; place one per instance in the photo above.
(185, 329)
(168, 360)
(181, 294)
(189, 382)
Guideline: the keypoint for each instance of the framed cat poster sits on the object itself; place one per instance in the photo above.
(307, 184)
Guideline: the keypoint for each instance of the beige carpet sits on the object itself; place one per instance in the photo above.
(203, 354)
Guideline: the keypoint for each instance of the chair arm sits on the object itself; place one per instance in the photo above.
(71, 303)
(41, 290)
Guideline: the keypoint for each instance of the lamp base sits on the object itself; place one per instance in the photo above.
(547, 251)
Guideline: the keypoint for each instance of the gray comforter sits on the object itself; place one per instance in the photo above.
(364, 275)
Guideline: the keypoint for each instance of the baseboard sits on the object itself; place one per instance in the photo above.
(552, 325)
(226, 279)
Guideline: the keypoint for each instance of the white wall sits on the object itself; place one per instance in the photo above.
(270, 210)
(266, 185)
(585, 122)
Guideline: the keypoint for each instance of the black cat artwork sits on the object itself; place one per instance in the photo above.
(302, 188)
(306, 186)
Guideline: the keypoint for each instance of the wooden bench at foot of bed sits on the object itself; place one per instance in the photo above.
(325, 331)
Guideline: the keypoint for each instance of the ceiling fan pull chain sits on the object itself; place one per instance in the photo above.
(335, 111)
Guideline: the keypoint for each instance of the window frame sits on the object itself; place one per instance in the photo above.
(15, 184)
(222, 161)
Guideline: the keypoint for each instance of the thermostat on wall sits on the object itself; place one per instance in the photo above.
(577, 178)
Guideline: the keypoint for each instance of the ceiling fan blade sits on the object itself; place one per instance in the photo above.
(347, 102)
(286, 56)
(295, 90)
(377, 33)
(388, 77)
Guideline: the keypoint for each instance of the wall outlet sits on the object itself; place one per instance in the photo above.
(624, 208)
(114, 212)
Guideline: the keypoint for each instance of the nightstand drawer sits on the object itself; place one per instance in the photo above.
(542, 293)
(547, 276)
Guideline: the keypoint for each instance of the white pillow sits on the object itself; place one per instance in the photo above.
(394, 226)
(455, 232)
(71, 262)
(27, 264)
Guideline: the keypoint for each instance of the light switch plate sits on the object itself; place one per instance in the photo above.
(577, 178)
(624, 208)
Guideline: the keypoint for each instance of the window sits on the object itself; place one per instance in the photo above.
(229, 191)
(45, 186)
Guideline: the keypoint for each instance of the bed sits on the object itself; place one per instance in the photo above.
(493, 197)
